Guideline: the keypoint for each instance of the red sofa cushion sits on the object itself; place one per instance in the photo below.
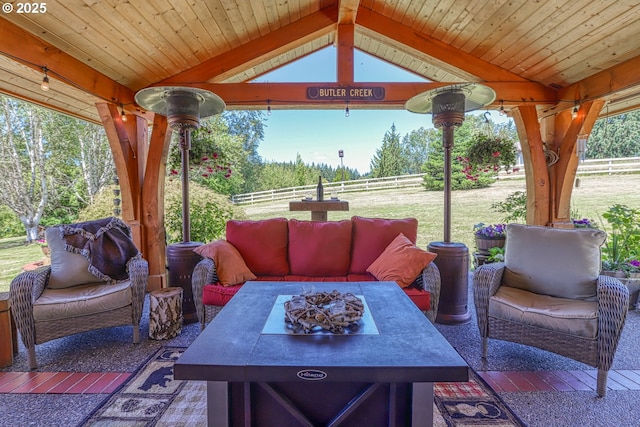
(420, 297)
(319, 249)
(216, 294)
(371, 236)
(262, 244)
(294, 278)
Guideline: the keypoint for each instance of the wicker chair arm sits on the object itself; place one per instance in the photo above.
(431, 283)
(139, 276)
(25, 288)
(486, 280)
(613, 304)
(203, 273)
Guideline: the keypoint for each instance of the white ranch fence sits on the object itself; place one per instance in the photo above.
(603, 166)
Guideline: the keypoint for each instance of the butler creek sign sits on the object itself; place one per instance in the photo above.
(345, 93)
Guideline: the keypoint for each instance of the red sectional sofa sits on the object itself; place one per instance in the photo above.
(359, 249)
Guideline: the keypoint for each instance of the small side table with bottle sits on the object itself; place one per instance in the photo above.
(319, 207)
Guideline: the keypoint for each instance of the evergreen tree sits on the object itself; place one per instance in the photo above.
(387, 160)
(415, 149)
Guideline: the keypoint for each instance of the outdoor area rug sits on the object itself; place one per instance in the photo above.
(151, 397)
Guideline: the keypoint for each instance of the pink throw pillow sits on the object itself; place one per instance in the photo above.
(230, 267)
(401, 261)
(319, 248)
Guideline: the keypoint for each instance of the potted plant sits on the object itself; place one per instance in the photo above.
(621, 252)
(488, 153)
(489, 236)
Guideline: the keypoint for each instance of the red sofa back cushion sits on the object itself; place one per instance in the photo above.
(371, 236)
(262, 244)
(319, 248)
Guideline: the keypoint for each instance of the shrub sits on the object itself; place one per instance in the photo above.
(209, 211)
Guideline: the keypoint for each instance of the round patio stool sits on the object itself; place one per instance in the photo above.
(165, 313)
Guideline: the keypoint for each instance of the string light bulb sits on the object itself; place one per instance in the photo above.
(574, 113)
(123, 116)
(502, 112)
(45, 80)
(268, 107)
(346, 111)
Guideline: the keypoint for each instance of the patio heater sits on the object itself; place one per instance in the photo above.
(448, 105)
(183, 107)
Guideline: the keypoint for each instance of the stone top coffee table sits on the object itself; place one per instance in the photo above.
(381, 373)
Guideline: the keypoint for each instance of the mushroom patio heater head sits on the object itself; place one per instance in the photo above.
(448, 105)
(183, 106)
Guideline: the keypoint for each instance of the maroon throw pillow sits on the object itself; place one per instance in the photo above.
(319, 248)
(262, 244)
(371, 236)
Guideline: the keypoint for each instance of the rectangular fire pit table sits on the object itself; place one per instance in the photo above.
(262, 373)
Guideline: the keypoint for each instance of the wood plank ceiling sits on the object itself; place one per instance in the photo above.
(551, 52)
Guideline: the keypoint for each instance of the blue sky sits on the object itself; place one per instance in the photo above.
(318, 134)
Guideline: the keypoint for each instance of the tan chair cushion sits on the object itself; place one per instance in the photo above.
(67, 268)
(563, 263)
(93, 298)
(573, 317)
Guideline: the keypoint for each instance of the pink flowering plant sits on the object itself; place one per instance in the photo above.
(488, 154)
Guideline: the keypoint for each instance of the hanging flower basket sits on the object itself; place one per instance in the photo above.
(488, 154)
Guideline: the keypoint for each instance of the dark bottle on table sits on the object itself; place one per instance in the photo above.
(320, 190)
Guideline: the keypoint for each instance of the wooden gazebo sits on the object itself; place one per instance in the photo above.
(544, 59)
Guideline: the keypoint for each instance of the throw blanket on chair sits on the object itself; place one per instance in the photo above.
(106, 243)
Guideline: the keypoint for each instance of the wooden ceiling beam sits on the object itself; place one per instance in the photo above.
(617, 78)
(260, 50)
(345, 52)
(433, 47)
(347, 11)
(294, 95)
(25, 48)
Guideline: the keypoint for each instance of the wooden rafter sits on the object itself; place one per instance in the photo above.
(35, 53)
(601, 84)
(433, 47)
(260, 50)
(347, 11)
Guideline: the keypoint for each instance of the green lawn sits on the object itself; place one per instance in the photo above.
(593, 196)
(14, 253)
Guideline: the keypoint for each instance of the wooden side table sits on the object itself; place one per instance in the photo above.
(319, 209)
(165, 313)
(8, 333)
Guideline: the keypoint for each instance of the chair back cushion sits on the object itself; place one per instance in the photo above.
(563, 263)
(319, 248)
(371, 236)
(262, 244)
(67, 268)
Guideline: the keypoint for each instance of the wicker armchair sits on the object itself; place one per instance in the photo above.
(548, 294)
(45, 310)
